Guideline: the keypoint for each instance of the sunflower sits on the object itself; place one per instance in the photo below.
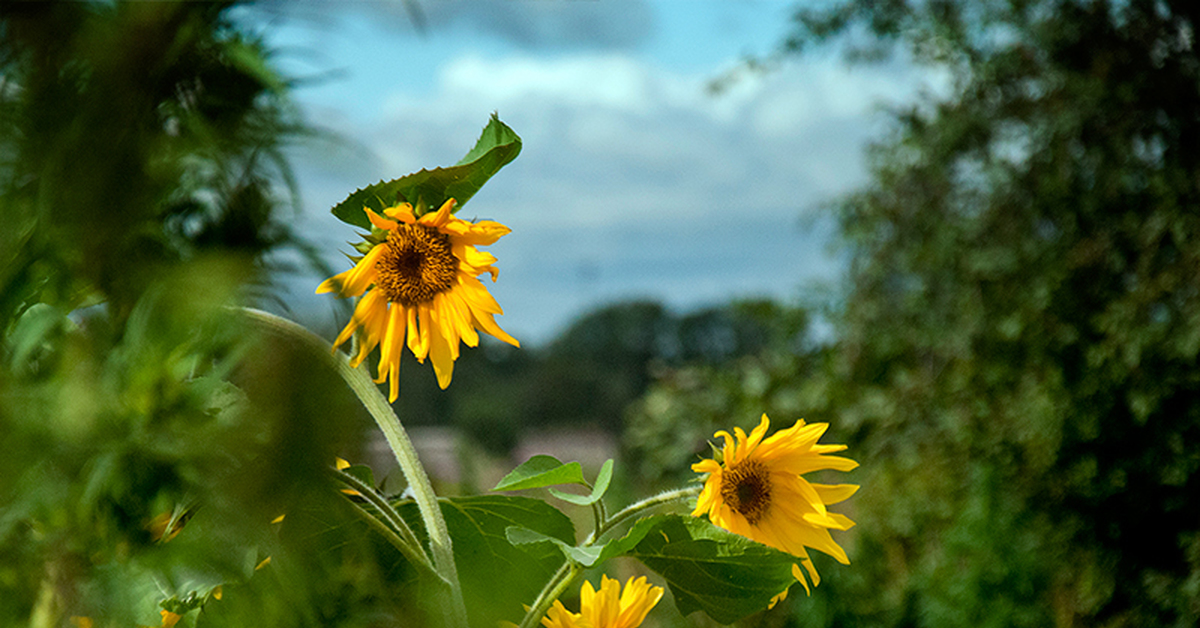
(420, 280)
(610, 607)
(757, 491)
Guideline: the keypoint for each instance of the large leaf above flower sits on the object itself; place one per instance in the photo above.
(497, 145)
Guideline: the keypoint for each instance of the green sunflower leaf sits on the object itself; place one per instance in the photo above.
(602, 480)
(591, 556)
(586, 556)
(497, 576)
(495, 148)
(540, 471)
(710, 569)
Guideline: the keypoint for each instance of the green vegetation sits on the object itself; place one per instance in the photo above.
(141, 183)
(1016, 355)
(1014, 360)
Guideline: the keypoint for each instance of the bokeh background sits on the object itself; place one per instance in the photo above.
(965, 234)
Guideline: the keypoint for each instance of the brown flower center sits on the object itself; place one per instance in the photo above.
(746, 487)
(417, 265)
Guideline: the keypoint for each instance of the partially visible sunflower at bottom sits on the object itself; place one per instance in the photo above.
(610, 607)
(423, 290)
(757, 490)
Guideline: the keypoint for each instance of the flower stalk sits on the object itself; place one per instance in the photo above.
(635, 509)
(558, 583)
(359, 381)
(570, 570)
(389, 523)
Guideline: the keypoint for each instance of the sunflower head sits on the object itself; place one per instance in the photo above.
(610, 607)
(419, 287)
(756, 488)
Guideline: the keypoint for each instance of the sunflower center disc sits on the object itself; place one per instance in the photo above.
(747, 489)
(417, 265)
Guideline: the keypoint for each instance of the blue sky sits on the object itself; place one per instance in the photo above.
(634, 181)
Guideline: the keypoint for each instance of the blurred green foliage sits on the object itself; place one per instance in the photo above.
(141, 182)
(1015, 357)
(1016, 354)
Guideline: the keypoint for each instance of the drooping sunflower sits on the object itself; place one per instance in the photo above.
(610, 607)
(421, 285)
(757, 490)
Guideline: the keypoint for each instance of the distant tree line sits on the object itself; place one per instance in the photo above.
(589, 374)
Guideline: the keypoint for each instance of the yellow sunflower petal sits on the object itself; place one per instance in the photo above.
(602, 607)
(637, 600)
(559, 617)
(476, 262)
(727, 451)
(834, 493)
(778, 598)
(481, 233)
(418, 339)
(477, 295)
(355, 281)
(800, 465)
(402, 212)
(169, 619)
(391, 341)
(379, 221)
(369, 315)
(458, 314)
(440, 217)
(393, 381)
(756, 435)
(800, 577)
(440, 355)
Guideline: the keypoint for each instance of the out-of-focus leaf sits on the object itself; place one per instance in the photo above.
(497, 145)
(498, 577)
(32, 330)
(587, 556)
(602, 480)
(540, 471)
(593, 555)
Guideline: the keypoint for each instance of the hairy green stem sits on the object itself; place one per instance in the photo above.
(638, 508)
(413, 555)
(571, 570)
(364, 388)
(389, 522)
(558, 583)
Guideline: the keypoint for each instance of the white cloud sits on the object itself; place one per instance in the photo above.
(634, 179)
(609, 81)
(610, 137)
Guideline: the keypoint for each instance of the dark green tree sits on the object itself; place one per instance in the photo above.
(1016, 364)
(142, 181)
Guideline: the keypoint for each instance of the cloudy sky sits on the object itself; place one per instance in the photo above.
(635, 181)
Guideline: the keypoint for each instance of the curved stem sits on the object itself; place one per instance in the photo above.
(635, 509)
(570, 570)
(398, 534)
(364, 388)
(558, 583)
(413, 555)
